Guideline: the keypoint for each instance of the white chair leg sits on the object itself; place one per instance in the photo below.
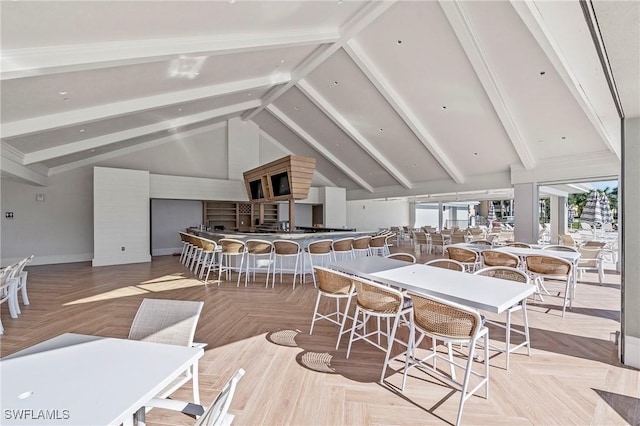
(315, 312)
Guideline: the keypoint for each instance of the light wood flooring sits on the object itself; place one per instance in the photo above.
(572, 376)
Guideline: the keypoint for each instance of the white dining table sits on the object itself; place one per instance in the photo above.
(524, 252)
(476, 291)
(74, 379)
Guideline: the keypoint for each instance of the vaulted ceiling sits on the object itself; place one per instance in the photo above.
(392, 98)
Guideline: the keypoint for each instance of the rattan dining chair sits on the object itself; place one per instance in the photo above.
(361, 246)
(437, 242)
(377, 245)
(449, 323)
(454, 265)
(481, 243)
(420, 240)
(20, 275)
(550, 267)
(469, 258)
(516, 275)
(171, 322)
(591, 259)
(380, 302)
(342, 249)
(216, 415)
(499, 258)
(405, 257)
(210, 251)
(561, 248)
(519, 245)
(333, 285)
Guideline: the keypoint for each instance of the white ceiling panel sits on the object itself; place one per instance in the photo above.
(550, 119)
(299, 108)
(36, 24)
(274, 128)
(82, 131)
(414, 47)
(38, 96)
(356, 99)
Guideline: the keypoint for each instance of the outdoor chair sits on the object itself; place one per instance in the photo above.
(405, 257)
(454, 265)
(468, 258)
(549, 267)
(319, 254)
(499, 258)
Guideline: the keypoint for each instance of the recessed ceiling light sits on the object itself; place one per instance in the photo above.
(475, 153)
(540, 141)
(249, 94)
(93, 150)
(414, 165)
(62, 93)
(543, 72)
(380, 129)
(340, 1)
(335, 83)
(81, 130)
(296, 108)
(337, 144)
(564, 137)
(179, 109)
(444, 107)
(399, 41)
(65, 99)
(282, 61)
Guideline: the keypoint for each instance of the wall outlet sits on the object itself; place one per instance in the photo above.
(122, 248)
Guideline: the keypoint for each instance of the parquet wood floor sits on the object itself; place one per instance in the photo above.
(572, 377)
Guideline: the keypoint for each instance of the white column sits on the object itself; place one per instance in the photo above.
(440, 221)
(631, 250)
(412, 214)
(559, 213)
(526, 212)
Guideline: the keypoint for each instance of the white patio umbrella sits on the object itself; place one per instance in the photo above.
(605, 209)
(491, 215)
(596, 209)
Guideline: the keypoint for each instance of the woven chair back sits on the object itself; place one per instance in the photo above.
(377, 298)
(545, 265)
(286, 247)
(504, 273)
(561, 248)
(361, 243)
(567, 240)
(440, 319)
(462, 254)
(446, 264)
(345, 244)
(377, 241)
(596, 244)
(209, 245)
(259, 247)
(332, 282)
(519, 245)
(482, 243)
(320, 247)
(499, 258)
(405, 257)
(230, 246)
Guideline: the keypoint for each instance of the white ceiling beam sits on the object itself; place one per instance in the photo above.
(549, 190)
(535, 22)
(318, 147)
(131, 149)
(133, 106)
(395, 100)
(29, 62)
(11, 168)
(468, 37)
(364, 17)
(111, 138)
(328, 109)
(277, 144)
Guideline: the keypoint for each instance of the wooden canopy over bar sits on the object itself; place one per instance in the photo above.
(288, 178)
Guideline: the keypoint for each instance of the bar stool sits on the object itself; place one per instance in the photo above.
(319, 254)
(289, 251)
(361, 246)
(185, 246)
(342, 249)
(230, 250)
(209, 250)
(196, 254)
(259, 256)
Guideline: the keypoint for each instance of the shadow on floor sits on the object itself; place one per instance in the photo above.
(627, 407)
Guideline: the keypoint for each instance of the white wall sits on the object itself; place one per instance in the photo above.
(168, 217)
(369, 215)
(58, 230)
(335, 209)
(121, 231)
(303, 212)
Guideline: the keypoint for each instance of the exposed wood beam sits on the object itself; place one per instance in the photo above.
(468, 37)
(364, 17)
(328, 109)
(132, 106)
(19, 63)
(535, 22)
(318, 147)
(131, 149)
(287, 151)
(100, 141)
(395, 100)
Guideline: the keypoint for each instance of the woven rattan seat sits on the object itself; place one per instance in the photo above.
(286, 251)
(334, 285)
(376, 245)
(259, 258)
(454, 265)
(449, 323)
(319, 254)
(342, 249)
(361, 246)
(519, 245)
(482, 242)
(376, 300)
(499, 258)
(561, 248)
(230, 251)
(516, 275)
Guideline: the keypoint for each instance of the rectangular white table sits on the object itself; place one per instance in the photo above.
(74, 379)
(480, 292)
(524, 252)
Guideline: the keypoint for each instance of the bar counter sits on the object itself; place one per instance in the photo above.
(301, 238)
